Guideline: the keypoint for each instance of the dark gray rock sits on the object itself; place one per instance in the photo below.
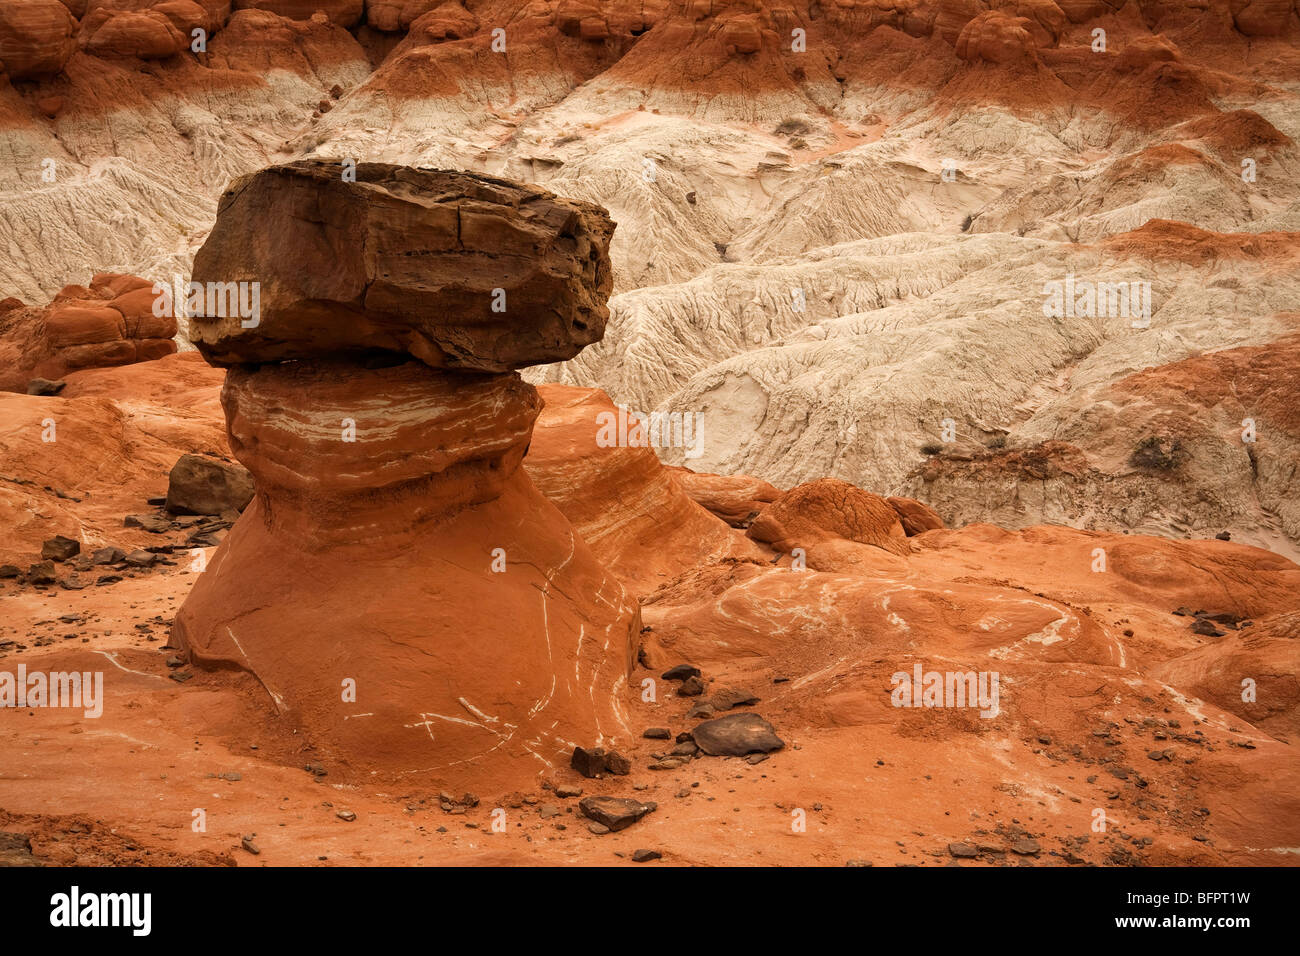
(199, 485)
(42, 572)
(589, 763)
(617, 813)
(730, 697)
(43, 386)
(736, 735)
(60, 548)
(680, 672)
(151, 523)
(107, 556)
(691, 687)
(617, 764)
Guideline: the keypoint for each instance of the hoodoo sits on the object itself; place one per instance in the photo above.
(400, 588)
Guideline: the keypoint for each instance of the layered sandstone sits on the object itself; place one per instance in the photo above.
(113, 321)
(36, 37)
(394, 546)
(640, 518)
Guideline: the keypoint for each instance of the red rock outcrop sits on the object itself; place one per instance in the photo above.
(736, 499)
(1262, 18)
(112, 322)
(915, 516)
(446, 21)
(345, 13)
(1080, 11)
(394, 545)
(952, 16)
(258, 41)
(395, 15)
(148, 29)
(1045, 20)
(836, 524)
(631, 510)
(996, 38)
(36, 37)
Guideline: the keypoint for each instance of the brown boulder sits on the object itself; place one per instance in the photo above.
(1047, 22)
(36, 37)
(138, 28)
(995, 37)
(742, 35)
(405, 260)
(198, 485)
(394, 16)
(449, 21)
(1261, 18)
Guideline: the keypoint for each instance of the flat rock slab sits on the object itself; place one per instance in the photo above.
(454, 269)
(737, 735)
(730, 697)
(617, 813)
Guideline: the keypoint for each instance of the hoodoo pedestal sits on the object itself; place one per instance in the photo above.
(398, 585)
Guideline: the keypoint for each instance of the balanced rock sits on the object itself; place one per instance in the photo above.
(456, 270)
(393, 540)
